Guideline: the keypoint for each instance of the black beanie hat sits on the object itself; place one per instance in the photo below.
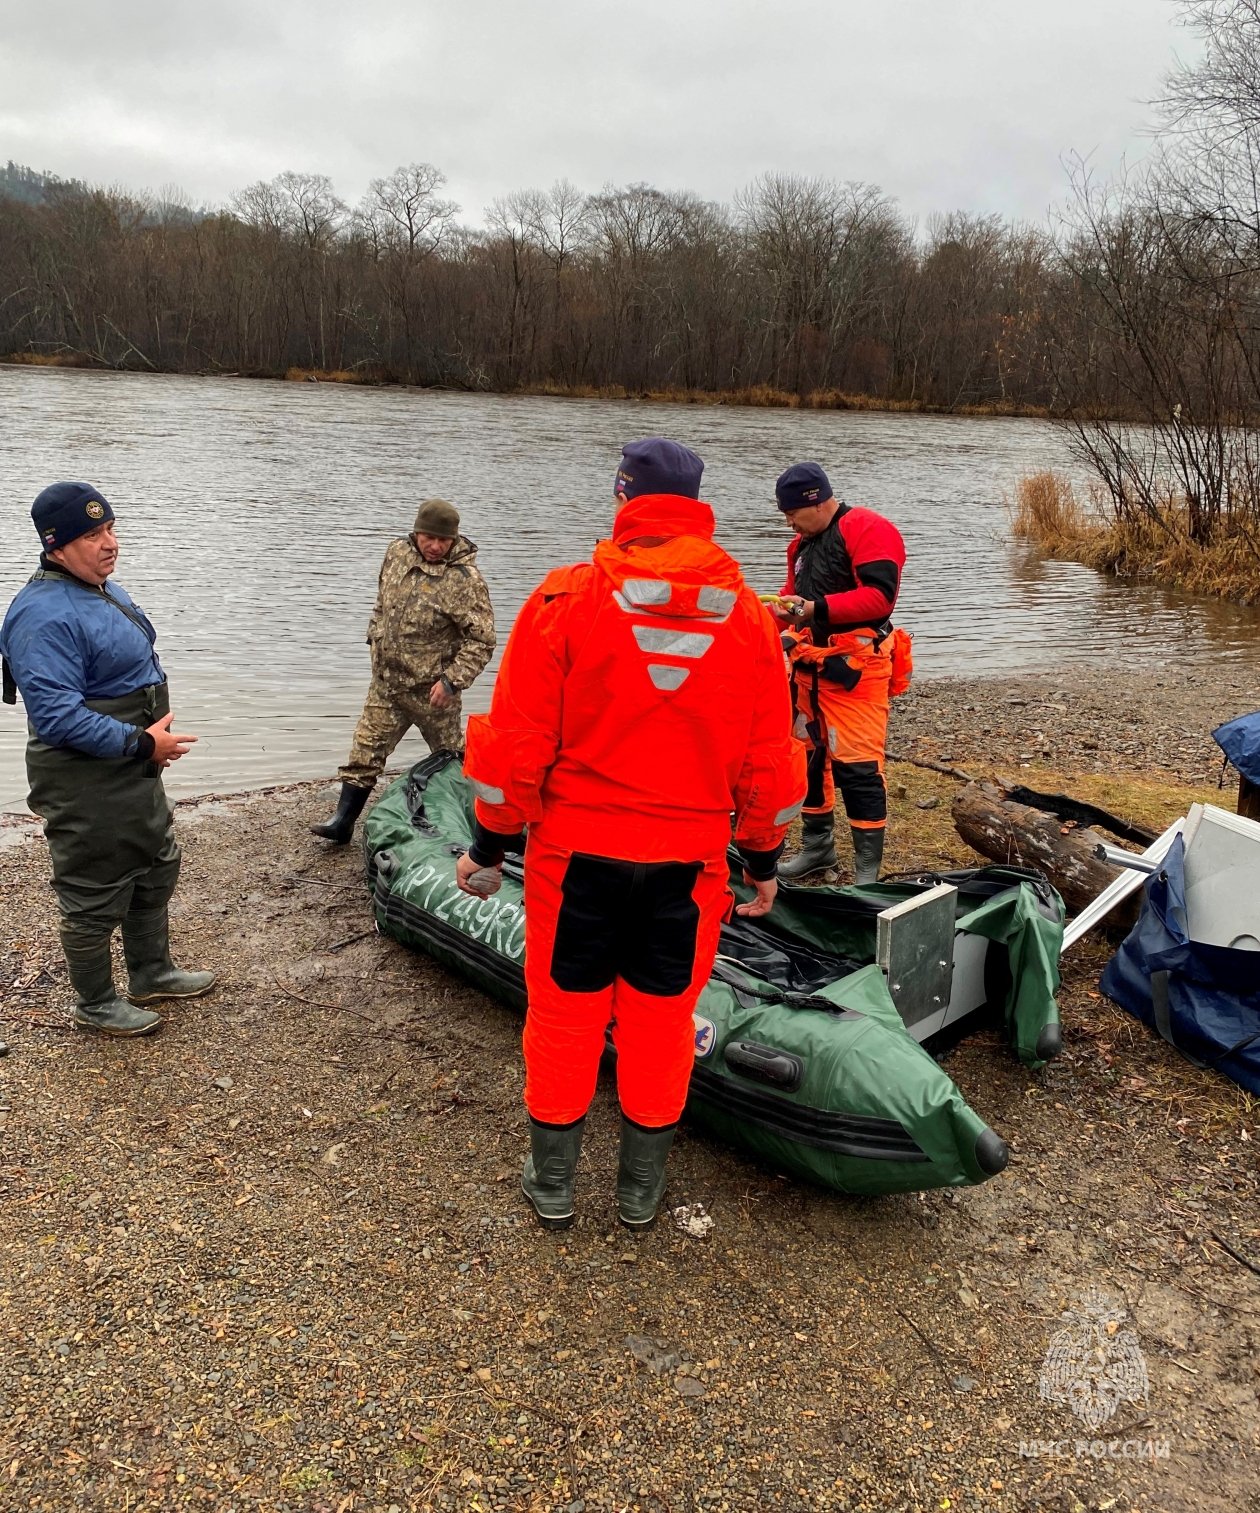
(66, 511)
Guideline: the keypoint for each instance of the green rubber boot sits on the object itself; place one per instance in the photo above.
(551, 1170)
(868, 854)
(92, 977)
(153, 975)
(818, 849)
(641, 1172)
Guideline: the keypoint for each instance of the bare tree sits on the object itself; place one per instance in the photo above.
(404, 212)
(1165, 273)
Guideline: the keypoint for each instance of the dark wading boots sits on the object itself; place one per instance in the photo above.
(641, 1172)
(818, 851)
(868, 854)
(550, 1171)
(151, 972)
(92, 977)
(818, 848)
(340, 828)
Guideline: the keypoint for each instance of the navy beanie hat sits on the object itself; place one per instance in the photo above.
(802, 485)
(657, 466)
(66, 511)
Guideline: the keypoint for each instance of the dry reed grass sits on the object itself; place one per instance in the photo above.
(49, 359)
(1049, 513)
(766, 397)
(363, 375)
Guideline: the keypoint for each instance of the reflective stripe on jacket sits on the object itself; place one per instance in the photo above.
(641, 699)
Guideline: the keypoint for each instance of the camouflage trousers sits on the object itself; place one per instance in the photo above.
(388, 713)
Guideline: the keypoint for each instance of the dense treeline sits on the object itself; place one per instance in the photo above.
(1135, 318)
(799, 286)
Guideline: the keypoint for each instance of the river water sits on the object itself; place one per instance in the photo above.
(253, 517)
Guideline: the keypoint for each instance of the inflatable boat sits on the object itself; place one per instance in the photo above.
(816, 1031)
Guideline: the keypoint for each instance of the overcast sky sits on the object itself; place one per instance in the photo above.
(946, 104)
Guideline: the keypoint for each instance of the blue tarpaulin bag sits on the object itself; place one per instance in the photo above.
(1240, 741)
(1204, 1000)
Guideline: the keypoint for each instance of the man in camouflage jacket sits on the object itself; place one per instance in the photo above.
(431, 633)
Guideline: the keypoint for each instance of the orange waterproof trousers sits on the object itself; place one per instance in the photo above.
(846, 729)
(629, 944)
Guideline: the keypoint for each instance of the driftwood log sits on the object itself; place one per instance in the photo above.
(1007, 831)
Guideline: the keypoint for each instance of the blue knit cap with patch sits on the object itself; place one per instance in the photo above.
(657, 466)
(802, 485)
(65, 511)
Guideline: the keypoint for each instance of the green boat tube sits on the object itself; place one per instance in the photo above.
(810, 1054)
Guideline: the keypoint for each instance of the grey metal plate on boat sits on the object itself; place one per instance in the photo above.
(914, 945)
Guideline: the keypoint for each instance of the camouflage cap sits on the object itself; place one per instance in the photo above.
(436, 517)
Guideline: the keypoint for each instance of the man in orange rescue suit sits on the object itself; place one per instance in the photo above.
(843, 575)
(639, 704)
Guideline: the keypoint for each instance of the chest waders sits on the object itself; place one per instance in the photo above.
(115, 861)
(840, 688)
(108, 821)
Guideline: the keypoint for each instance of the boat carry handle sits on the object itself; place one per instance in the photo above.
(765, 1063)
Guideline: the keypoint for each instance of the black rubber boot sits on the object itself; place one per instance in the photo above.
(550, 1171)
(340, 828)
(92, 977)
(641, 1172)
(818, 848)
(152, 973)
(868, 854)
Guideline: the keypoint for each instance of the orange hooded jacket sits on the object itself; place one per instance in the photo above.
(641, 700)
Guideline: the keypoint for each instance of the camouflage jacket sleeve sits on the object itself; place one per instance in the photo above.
(474, 616)
(374, 619)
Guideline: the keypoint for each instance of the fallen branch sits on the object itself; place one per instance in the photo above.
(341, 1008)
(316, 1003)
(950, 772)
(1241, 1259)
(349, 940)
(320, 882)
(939, 1356)
(1015, 834)
(36, 1024)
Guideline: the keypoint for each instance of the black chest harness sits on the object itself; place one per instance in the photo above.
(823, 565)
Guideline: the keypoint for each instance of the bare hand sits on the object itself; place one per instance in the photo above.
(764, 901)
(798, 611)
(481, 882)
(440, 696)
(168, 746)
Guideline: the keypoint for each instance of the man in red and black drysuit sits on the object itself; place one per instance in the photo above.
(640, 703)
(843, 575)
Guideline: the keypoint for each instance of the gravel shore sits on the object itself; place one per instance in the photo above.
(1152, 723)
(276, 1257)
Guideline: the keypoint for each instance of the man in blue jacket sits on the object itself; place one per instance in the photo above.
(81, 655)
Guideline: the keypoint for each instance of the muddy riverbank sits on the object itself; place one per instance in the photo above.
(275, 1258)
